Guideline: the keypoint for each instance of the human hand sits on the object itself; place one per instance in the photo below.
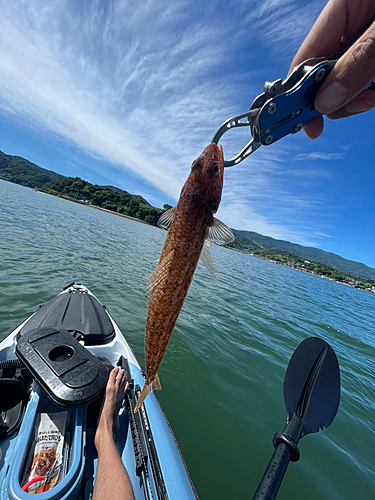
(341, 23)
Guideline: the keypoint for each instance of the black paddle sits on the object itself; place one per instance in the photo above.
(311, 397)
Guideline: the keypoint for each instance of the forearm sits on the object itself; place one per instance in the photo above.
(112, 480)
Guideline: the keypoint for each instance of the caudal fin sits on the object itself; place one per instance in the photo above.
(151, 386)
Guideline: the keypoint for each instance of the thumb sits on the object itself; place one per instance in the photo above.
(352, 73)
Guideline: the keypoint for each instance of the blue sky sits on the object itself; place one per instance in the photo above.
(129, 93)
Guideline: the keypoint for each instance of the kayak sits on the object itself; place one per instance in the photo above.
(57, 363)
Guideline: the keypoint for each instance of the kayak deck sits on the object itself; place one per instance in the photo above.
(76, 310)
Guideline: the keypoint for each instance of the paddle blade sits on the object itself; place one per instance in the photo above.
(312, 385)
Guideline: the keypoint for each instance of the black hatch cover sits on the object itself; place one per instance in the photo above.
(65, 369)
(74, 311)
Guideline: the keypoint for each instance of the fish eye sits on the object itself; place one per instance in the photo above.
(216, 168)
(193, 164)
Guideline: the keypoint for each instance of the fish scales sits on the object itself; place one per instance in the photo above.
(163, 311)
(169, 283)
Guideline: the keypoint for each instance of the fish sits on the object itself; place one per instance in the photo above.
(192, 226)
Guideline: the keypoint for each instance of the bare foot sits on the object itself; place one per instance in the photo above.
(114, 395)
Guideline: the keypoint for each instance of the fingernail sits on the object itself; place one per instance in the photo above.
(331, 98)
(359, 106)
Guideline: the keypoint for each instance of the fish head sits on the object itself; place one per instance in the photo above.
(207, 173)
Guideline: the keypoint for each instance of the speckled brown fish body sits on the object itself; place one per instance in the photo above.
(193, 216)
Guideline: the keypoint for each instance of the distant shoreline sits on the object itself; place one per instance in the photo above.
(312, 273)
(115, 213)
(93, 206)
(229, 248)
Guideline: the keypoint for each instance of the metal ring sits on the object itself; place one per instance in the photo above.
(280, 437)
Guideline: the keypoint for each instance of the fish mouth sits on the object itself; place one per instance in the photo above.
(218, 150)
(213, 153)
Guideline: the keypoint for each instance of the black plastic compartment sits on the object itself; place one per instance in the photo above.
(14, 386)
(75, 311)
(67, 371)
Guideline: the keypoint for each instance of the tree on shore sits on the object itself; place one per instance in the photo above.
(117, 201)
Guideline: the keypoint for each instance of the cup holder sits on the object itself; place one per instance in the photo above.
(61, 353)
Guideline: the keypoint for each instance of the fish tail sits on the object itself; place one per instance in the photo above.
(148, 387)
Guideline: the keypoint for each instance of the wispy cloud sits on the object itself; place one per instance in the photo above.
(278, 21)
(144, 85)
(324, 235)
(319, 155)
(130, 86)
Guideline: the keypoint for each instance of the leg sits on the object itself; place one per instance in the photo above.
(112, 480)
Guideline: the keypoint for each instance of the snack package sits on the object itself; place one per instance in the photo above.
(46, 457)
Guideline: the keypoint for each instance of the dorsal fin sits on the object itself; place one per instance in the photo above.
(165, 220)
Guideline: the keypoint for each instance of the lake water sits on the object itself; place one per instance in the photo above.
(223, 371)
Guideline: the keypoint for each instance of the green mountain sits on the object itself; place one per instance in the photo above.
(251, 242)
(134, 196)
(115, 189)
(21, 171)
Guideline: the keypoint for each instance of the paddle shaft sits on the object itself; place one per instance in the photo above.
(286, 450)
(271, 480)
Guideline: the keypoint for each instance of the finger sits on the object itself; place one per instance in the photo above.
(352, 73)
(365, 101)
(124, 383)
(113, 375)
(325, 36)
(120, 377)
(340, 23)
(314, 127)
(123, 386)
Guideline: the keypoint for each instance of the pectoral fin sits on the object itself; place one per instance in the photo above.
(207, 259)
(219, 233)
(166, 219)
